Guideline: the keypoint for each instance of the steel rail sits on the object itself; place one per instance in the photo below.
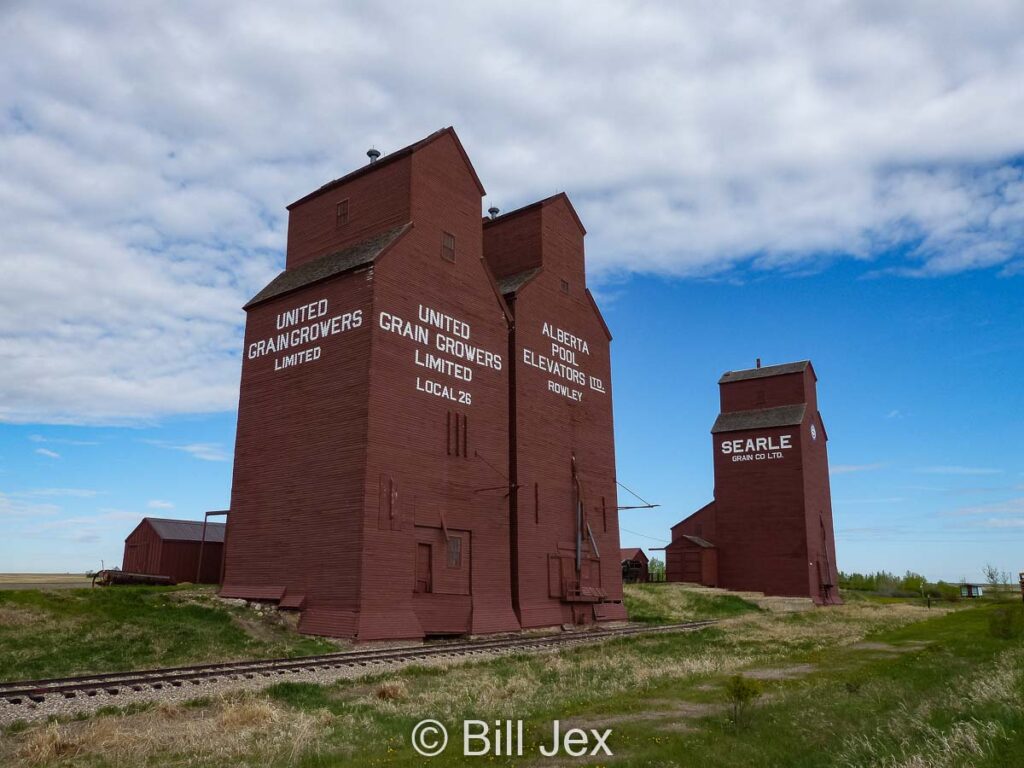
(36, 691)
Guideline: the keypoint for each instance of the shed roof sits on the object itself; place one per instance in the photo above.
(358, 255)
(764, 372)
(186, 530)
(512, 283)
(698, 541)
(635, 553)
(762, 418)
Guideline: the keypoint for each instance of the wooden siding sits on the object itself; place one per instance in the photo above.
(771, 521)
(550, 427)
(146, 552)
(355, 470)
(376, 202)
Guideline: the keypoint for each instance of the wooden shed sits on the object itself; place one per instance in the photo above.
(634, 565)
(691, 559)
(171, 548)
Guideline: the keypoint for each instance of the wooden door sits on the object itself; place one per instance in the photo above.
(424, 580)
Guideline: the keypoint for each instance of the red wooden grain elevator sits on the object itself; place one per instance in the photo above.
(563, 508)
(769, 528)
(372, 482)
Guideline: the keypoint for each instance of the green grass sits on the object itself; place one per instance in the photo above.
(56, 633)
(932, 688)
(665, 603)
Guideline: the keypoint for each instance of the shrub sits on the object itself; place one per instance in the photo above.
(741, 691)
(1006, 623)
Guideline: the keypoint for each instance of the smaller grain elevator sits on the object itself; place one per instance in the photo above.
(769, 528)
(563, 515)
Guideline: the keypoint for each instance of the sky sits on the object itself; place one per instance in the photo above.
(836, 181)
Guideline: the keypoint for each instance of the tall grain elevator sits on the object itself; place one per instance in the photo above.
(769, 527)
(563, 508)
(374, 483)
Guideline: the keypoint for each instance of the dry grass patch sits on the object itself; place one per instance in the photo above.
(837, 625)
(393, 690)
(234, 729)
(791, 672)
(19, 616)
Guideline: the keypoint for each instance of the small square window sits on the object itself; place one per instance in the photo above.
(565, 286)
(341, 213)
(455, 552)
(448, 246)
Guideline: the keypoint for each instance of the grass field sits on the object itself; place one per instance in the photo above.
(44, 581)
(866, 684)
(46, 633)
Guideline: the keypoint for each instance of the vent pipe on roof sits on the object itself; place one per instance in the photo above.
(493, 211)
(373, 154)
(759, 362)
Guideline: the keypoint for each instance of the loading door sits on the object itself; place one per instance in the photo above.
(424, 580)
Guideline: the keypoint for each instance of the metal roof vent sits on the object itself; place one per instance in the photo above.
(373, 154)
(759, 362)
(493, 211)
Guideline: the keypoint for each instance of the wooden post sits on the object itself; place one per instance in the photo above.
(1022, 585)
(202, 543)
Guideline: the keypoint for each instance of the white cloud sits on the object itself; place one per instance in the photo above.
(958, 470)
(158, 504)
(845, 469)
(1010, 507)
(48, 453)
(1001, 522)
(142, 200)
(78, 493)
(11, 506)
(60, 440)
(202, 451)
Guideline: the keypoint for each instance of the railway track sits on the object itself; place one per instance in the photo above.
(35, 692)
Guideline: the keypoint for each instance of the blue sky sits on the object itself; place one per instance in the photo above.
(918, 386)
(841, 182)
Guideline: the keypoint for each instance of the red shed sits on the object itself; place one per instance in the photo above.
(171, 548)
(563, 507)
(634, 565)
(770, 523)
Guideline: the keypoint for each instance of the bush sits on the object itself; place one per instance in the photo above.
(656, 569)
(1006, 623)
(741, 691)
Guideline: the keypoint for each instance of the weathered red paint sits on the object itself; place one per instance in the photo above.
(147, 550)
(372, 479)
(635, 563)
(561, 410)
(770, 525)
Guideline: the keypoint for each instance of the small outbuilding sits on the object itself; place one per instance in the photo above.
(173, 548)
(634, 565)
(691, 559)
(971, 590)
